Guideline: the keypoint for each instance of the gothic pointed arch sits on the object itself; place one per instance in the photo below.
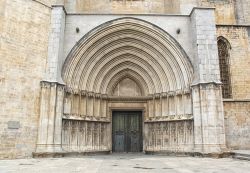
(224, 55)
(149, 54)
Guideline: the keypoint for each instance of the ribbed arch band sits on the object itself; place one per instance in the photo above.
(127, 47)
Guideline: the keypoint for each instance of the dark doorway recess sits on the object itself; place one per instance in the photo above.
(127, 131)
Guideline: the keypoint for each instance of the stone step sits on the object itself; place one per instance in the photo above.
(242, 155)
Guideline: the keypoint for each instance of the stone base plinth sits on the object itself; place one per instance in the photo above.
(192, 154)
(67, 154)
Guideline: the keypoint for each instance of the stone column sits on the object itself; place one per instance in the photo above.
(57, 145)
(51, 116)
(209, 133)
(43, 121)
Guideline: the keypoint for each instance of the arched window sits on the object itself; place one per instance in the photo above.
(223, 48)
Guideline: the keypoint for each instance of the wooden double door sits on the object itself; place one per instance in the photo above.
(127, 131)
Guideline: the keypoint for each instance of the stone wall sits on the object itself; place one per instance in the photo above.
(122, 6)
(224, 10)
(243, 12)
(237, 124)
(86, 23)
(24, 33)
(237, 109)
(227, 11)
(246, 7)
(239, 59)
(24, 26)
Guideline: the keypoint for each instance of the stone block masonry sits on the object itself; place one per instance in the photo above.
(209, 135)
(24, 27)
(237, 123)
(173, 59)
(55, 47)
(237, 109)
(239, 59)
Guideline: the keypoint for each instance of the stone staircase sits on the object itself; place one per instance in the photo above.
(241, 154)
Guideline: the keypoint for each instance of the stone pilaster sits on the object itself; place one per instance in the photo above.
(50, 123)
(52, 92)
(209, 133)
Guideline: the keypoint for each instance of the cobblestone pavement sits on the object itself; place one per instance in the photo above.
(123, 163)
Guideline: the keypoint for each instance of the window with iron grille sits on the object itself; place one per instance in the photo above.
(223, 48)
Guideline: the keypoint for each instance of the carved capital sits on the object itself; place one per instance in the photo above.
(98, 95)
(178, 92)
(91, 94)
(104, 96)
(60, 87)
(157, 95)
(171, 93)
(83, 92)
(164, 94)
(45, 84)
(186, 91)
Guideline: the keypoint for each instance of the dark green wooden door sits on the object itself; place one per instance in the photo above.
(127, 131)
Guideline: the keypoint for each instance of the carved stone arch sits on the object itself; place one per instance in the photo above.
(176, 117)
(153, 81)
(151, 45)
(224, 61)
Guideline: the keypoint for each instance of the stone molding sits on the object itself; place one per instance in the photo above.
(169, 118)
(202, 84)
(124, 98)
(48, 84)
(85, 118)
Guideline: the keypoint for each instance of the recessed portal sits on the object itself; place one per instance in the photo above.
(127, 131)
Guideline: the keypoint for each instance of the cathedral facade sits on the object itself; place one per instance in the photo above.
(102, 76)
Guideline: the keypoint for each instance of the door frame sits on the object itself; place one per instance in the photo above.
(142, 110)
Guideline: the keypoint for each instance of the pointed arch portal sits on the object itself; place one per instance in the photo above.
(128, 85)
(129, 64)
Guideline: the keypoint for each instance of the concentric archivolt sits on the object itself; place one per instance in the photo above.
(127, 47)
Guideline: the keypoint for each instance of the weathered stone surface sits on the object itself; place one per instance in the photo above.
(239, 59)
(123, 6)
(237, 123)
(124, 163)
(24, 27)
(224, 10)
(145, 61)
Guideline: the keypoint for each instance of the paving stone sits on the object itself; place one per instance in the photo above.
(126, 163)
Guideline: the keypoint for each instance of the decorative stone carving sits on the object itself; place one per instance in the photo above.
(83, 136)
(148, 63)
(169, 136)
